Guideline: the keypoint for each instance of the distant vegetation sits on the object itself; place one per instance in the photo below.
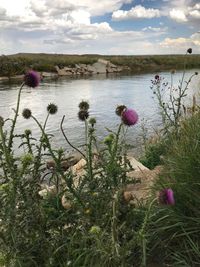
(19, 63)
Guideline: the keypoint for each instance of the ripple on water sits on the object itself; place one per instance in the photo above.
(104, 93)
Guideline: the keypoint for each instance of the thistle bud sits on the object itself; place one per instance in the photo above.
(83, 115)
(52, 109)
(27, 132)
(92, 121)
(27, 159)
(84, 105)
(26, 113)
(120, 109)
(95, 230)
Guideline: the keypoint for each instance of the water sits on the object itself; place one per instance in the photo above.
(103, 92)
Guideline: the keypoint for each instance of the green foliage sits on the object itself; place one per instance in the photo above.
(153, 154)
(178, 230)
(10, 66)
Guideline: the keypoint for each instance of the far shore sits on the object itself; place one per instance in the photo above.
(14, 66)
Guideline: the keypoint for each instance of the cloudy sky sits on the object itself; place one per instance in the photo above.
(99, 26)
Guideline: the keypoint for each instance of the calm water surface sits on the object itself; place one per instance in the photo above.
(103, 92)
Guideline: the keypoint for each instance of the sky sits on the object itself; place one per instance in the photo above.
(116, 27)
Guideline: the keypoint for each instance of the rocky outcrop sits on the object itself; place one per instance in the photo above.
(101, 66)
(143, 182)
(141, 179)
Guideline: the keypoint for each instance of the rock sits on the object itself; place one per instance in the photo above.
(62, 72)
(69, 161)
(140, 190)
(47, 190)
(136, 165)
(78, 167)
(101, 66)
(67, 69)
(48, 75)
(66, 203)
(74, 157)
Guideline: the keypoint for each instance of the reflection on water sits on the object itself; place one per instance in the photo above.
(103, 92)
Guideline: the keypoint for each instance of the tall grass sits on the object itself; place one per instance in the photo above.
(175, 232)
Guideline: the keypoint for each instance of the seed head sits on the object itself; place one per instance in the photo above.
(84, 105)
(32, 79)
(52, 108)
(120, 109)
(92, 121)
(26, 113)
(51, 165)
(189, 51)
(83, 115)
(27, 132)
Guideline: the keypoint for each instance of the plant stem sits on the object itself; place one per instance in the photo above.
(15, 119)
(57, 161)
(114, 225)
(62, 130)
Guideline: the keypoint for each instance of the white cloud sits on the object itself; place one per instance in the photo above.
(156, 29)
(65, 26)
(185, 11)
(183, 43)
(80, 16)
(2, 12)
(136, 12)
(195, 14)
(39, 7)
(178, 15)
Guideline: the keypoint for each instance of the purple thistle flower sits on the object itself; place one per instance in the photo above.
(166, 197)
(129, 117)
(32, 78)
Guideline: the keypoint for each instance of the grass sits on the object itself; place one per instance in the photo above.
(17, 64)
(177, 230)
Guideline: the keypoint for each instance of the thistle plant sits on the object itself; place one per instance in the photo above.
(170, 98)
(77, 219)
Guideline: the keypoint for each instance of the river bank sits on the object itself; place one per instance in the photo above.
(17, 64)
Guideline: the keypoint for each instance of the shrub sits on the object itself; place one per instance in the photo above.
(153, 155)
